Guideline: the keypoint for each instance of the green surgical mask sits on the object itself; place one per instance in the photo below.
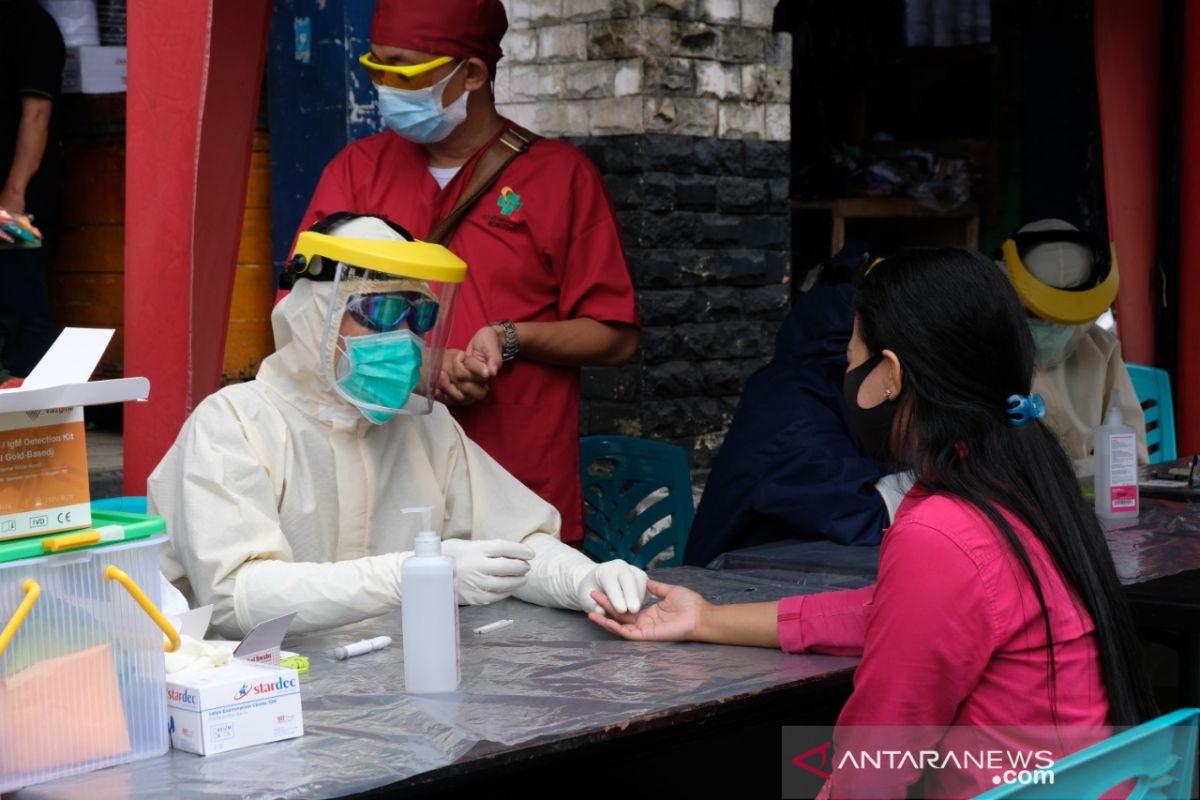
(1051, 340)
(381, 369)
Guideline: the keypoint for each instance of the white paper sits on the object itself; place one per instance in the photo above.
(262, 643)
(71, 359)
(194, 623)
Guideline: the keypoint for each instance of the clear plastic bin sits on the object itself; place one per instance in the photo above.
(82, 672)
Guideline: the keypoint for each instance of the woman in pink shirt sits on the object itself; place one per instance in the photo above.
(997, 621)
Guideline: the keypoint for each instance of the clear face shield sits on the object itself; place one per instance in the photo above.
(389, 316)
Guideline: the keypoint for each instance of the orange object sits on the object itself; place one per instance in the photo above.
(41, 727)
(43, 467)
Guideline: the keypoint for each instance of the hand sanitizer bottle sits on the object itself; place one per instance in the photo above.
(429, 613)
(1115, 447)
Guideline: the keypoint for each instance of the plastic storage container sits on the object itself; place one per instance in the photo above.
(82, 672)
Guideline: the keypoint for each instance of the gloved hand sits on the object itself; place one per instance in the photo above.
(563, 577)
(623, 583)
(488, 569)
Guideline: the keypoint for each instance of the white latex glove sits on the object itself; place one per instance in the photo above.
(624, 584)
(488, 569)
(563, 577)
(194, 654)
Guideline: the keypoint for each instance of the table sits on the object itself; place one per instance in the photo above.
(551, 698)
(1165, 540)
(841, 209)
(1157, 559)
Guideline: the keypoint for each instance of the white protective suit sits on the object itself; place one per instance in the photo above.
(1076, 392)
(281, 497)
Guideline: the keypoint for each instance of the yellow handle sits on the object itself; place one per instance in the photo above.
(32, 592)
(135, 591)
(56, 544)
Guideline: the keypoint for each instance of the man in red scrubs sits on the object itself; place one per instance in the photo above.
(547, 287)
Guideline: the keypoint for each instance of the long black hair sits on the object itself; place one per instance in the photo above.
(960, 333)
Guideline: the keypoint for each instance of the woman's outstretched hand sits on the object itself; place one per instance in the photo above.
(675, 618)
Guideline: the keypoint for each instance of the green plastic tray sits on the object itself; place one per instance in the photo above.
(137, 526)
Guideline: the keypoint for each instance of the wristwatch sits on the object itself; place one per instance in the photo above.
(510, 339)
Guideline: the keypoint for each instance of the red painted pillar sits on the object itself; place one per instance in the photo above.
(194, 74)
(1187, 389)
(1128, 43)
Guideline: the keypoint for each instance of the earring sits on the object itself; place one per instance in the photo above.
(887, 393)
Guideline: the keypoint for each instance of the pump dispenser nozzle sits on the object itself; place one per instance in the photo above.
(428, 542)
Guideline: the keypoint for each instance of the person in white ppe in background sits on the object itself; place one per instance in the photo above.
(286, 493)
(1066, 284)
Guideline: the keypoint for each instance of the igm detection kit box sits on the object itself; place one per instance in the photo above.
(241, 704)
(43, 454)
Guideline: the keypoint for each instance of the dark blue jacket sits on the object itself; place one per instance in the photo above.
(790, 467)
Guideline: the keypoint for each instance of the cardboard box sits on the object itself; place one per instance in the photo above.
(94, 70)
(43, 451)
(241, 704)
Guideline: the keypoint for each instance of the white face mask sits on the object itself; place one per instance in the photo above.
(1051, 341)
(418, 115)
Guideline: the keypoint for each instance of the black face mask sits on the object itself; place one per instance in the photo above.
(873, 425)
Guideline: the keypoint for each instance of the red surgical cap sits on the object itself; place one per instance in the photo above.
(459, 28)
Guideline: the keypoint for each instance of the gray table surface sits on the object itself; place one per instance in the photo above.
(1165, 540)
(552, 676)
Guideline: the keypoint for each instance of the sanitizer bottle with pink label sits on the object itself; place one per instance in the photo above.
(1116, 452)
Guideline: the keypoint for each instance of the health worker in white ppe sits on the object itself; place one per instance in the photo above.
(286, 493)
(1066, 283)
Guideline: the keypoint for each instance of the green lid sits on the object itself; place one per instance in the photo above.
(134, 526)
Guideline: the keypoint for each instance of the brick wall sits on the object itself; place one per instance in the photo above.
(683, 104)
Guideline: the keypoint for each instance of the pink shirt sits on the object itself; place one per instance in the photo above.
(952, 634)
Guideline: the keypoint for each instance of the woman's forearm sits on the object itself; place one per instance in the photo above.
(749, 624)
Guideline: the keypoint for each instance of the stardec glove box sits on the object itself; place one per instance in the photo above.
(225, 708)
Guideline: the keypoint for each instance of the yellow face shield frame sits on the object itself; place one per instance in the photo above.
(1064, 306)
(405, 76)
(422, 260)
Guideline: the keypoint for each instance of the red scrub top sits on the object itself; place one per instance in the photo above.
(541, 246)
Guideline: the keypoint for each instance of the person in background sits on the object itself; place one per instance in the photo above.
(31, 66)
(287, 493)
(790, 466)
(548, 289)
(995, 582)
(1066, 283)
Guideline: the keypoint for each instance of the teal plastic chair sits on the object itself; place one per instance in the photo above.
(1153, 389)
(630, 487)
(129, 505)
(1159, 755)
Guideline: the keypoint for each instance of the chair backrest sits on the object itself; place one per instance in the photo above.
(637, 500)
(1160, 755)
(1153, 389)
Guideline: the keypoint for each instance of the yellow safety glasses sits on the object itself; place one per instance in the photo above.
(407, 76)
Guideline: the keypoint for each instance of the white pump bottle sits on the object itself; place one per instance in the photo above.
(429, 613)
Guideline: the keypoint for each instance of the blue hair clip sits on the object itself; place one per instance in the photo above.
(1024, 409)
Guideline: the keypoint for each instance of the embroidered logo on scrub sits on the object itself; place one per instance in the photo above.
(509, 201)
